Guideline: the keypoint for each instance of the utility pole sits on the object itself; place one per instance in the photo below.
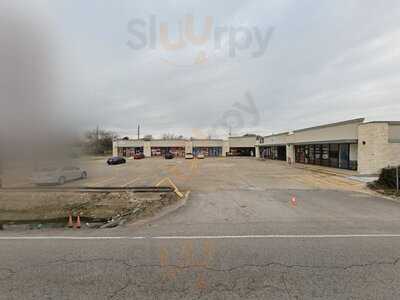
(397, 178)
(138, 132)
(97, 138)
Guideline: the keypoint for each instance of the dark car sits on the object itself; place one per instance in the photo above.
(138, 156)
(169, 155)
(116, 160)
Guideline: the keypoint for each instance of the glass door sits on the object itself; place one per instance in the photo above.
(334, 155)
(344, 156)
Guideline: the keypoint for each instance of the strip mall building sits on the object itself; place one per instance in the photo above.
(366, 147)
(236, 146)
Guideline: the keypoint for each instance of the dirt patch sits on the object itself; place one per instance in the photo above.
(47, 207)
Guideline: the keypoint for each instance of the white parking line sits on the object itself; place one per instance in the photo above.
(103, 181)
(19, 184)
(130, 182)
(279, 236)
(71, 237)
(203, 237)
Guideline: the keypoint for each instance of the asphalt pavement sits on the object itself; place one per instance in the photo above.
(243, 238)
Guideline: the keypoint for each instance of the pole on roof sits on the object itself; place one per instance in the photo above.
(138, 132)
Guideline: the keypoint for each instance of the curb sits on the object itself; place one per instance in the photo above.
(162, 213)
(327, 172)
(383, 196)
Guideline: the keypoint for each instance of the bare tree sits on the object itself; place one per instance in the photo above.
(98, 141)
(171, 136)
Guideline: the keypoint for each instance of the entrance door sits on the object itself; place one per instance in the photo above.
(334, 155)
(281, 152)
(344, 156)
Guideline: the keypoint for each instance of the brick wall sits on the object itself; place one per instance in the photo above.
(374, 149)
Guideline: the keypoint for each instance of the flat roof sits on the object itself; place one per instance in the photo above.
(145, 140)
(389, 122)
(219, 140)
(171, 140)
(243, 137)
(359, 120)
(346, 141)
(276, 134)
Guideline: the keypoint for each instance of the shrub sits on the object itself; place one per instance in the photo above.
(387, 177)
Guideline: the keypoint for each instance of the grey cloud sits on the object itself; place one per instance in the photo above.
(327, 61)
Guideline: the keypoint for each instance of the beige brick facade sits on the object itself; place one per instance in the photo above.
(373, 145)
(375, 151)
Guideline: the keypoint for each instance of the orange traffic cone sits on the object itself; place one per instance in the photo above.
(70, 223)
(78, 222)
(294, 202)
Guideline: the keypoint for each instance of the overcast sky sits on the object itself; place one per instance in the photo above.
(325, 61)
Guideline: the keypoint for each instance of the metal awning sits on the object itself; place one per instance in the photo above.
(326, 142)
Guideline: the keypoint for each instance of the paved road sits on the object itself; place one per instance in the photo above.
(261, 268)
(239, 238)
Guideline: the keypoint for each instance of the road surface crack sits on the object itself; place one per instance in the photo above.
(6, 273)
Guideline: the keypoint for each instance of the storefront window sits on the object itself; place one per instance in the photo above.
(330, 155)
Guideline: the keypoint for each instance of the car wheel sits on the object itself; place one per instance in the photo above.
(61, 180)
(84, 175)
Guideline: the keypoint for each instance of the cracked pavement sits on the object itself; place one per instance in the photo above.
(230, 269)
(233, 267)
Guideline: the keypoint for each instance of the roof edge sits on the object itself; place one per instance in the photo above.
(276, 134)
(383, 122)
(358, 120)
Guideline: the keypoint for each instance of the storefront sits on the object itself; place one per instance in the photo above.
(274, 152)
(161, 151)
(329, 155)
(242, 151)
(129, 151)
(208, 151)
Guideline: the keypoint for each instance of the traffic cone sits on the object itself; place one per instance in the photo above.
(78, 222)
(70, 223)
(294, 202)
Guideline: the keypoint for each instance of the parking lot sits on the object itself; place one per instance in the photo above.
(210, 174)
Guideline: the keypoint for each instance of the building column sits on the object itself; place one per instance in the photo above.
(374, 149)
(290, 156)
(225, 148)
(257, 151)
(147, 149)
(188, 147)
(115, 149)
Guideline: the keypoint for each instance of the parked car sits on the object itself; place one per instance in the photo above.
(169, 155)
(138, 156)
(189, 156)
(116, 160)
(55, 175)
(200, 156)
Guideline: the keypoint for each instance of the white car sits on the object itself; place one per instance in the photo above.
(189, 156)
(200, 156)
(54, 175)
